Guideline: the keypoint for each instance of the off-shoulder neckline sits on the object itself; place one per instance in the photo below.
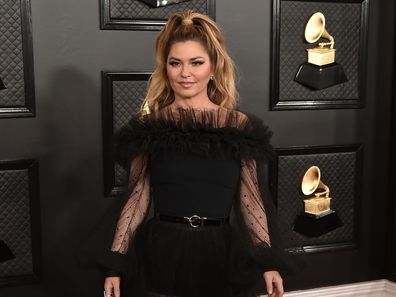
(217, 110)
(220, 117)
(177, 108)
(202, 133)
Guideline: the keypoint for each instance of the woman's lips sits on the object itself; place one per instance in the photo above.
(186, 84)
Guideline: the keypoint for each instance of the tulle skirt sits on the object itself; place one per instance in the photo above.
(173, 259)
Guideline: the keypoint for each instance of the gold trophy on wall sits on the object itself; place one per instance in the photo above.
(318, 218)
(321, 71)
(319, 204)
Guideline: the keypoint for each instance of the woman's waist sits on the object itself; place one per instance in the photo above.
(184, 209)
(202, 205)
(158, 226)
(194, 221)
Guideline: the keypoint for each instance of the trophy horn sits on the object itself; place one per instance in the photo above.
(315, 29)
(311, 182)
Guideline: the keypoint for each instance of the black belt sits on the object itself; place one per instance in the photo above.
(194, 221)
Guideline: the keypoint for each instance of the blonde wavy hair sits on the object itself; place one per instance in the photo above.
(186, 26)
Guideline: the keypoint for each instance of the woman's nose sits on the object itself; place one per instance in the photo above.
(185, 72)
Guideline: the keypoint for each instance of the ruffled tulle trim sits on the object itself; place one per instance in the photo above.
(210, 133)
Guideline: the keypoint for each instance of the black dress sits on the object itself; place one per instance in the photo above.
(187, 162)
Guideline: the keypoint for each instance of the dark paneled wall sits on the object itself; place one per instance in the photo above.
(381, 194)
(391, 263)
(66, 135)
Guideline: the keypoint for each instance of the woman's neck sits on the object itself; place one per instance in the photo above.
(194, 103)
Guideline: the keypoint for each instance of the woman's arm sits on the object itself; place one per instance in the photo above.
(132, 215)
(136, 207)
(256, 221)
(251, 204)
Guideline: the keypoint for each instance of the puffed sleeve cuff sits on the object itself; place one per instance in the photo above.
(104, 261)
(114, 261)
(112, 273)
(268, 259)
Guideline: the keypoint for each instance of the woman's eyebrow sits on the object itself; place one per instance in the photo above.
(198, 57)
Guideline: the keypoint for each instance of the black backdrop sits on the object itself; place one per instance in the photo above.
(392, 174)
(66, 135)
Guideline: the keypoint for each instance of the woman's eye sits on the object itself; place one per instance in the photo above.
(196, 63)
(173, 63)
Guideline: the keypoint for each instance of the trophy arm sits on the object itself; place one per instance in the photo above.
(331, 42)
(326, 191)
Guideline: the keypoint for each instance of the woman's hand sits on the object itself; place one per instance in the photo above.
(112, 286)
(274, 283)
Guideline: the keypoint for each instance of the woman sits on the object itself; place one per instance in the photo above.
(198, 161)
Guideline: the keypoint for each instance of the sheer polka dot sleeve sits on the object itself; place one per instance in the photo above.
(136, 206)
(251, 204)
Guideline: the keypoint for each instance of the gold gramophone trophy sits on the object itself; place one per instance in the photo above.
(318, 218)
(321, 71)
(319, 204)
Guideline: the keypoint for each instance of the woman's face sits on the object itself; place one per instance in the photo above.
(189, 68)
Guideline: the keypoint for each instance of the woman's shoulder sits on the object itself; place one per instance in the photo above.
(221, 118)
(206, 132)
(194, 118)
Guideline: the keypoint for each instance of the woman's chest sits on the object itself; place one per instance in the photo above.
(169, 166)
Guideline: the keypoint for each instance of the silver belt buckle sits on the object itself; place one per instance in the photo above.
(195, 221)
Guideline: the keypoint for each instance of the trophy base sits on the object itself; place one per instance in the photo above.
(320, 77)
(5, 252)
(317, 206)
(315, 225)
(2, 85)
(161, 3)
(321, 55)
